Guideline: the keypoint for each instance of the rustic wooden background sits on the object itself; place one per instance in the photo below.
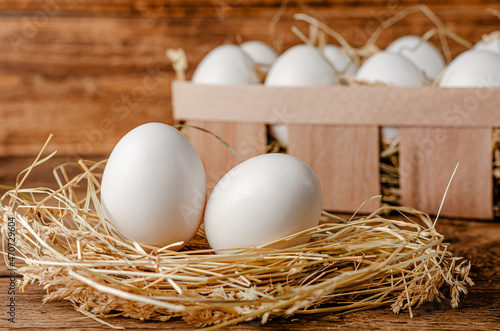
(91, 70)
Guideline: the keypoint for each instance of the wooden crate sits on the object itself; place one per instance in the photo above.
(335, 129)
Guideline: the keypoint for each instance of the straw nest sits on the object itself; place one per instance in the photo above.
(67, 246)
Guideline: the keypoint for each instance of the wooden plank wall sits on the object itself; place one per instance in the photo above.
(91, 70)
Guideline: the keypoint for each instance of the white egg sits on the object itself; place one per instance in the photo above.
(342, 62)
(261, 200)
(472, 68)
(280, 133)
(489, 43)
(260, 53)
(390, 133)
(226, 64)
(421, 53)
(300, 65)
(154, 187)
(390, 69)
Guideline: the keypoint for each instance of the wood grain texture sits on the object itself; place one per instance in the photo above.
(479, 310)
(77, 79)
(346, 161)
(428, 157)
(247, 139)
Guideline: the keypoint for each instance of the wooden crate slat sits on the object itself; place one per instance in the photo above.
(354, 105)
(428, 157)
(247, 139)
(346, 161)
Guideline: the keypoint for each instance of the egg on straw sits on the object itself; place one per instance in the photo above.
(489, 43)
(342, 62)
(421, 53)
(226, 65)
(261, 54)
(472, 68)
(262, 200)
(153, 189)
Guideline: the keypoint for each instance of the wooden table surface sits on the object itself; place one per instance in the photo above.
(479, 310)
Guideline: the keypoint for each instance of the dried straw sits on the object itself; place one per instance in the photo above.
(68, 247)
(389, 172)
(179, 62)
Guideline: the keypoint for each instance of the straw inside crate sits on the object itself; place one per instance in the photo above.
(389, 172)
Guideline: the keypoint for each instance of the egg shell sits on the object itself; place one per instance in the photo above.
(391, 69)
(260, 53)
(421, 53)
(472, 68)
(225, 65)
(300, 65)
(390, 133)
(489, 43)
(262, 200)
(280, 133)
(342, 62)
(154, 187)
